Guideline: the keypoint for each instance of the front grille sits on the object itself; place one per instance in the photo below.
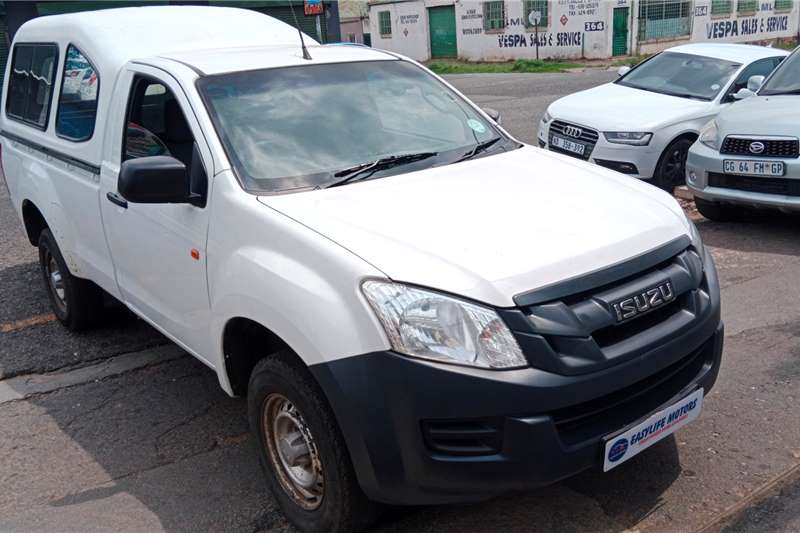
(463, 438)
(580, 332)
(780, 186)
(588, 137)
(600, 416)
(784, 148)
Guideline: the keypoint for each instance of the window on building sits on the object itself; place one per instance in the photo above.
(542, 6)
(722, 7)
(31, 85)
(77, 103)
(494, 15)
(664, 19)
(746, 6)
(784, 5)
(385, 23)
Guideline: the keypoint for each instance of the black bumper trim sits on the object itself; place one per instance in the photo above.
(381, 401)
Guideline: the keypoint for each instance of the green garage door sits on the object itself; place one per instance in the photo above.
(442, 22)
(620, 35)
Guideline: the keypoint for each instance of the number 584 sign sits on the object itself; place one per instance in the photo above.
(594, 26)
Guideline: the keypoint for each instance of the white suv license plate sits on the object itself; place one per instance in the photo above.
(629, 443)
(566, 144)
(753, 168)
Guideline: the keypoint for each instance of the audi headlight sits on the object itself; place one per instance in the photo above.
(709, 135)
(634, 138)
(547, 117)
(426, 324)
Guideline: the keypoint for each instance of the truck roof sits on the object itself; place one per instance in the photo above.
(210, 62)
(109, 38)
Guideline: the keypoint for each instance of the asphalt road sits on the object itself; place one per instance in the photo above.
(117, 430)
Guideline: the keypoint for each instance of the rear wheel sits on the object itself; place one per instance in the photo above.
(671, 169)
(76, 302)
(718, 212)
(302, 450)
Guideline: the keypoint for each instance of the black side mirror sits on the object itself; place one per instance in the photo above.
(494, 114)
(155, 180)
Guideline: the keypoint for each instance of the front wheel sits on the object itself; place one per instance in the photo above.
(671, 169)
(302, 450)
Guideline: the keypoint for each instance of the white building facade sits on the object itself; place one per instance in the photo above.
(500, 30)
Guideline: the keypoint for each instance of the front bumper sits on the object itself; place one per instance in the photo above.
(644, 158)
(420, 432)
(703, 161)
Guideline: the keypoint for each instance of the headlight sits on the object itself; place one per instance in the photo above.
(429, 325)
(547, 117)
(709, 135)
(635, 138)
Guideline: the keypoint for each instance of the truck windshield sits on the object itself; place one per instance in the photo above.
(684, 75)
(308, 126)
(786, 79)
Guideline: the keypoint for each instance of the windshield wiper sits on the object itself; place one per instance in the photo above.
(480, 147)
(667, 93)
(357, 171)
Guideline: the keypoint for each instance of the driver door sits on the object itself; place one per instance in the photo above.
(159, 250)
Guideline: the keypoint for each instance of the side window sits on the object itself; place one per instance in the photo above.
(77, 103)
(30, 86)
(156, 123)
(762, 67)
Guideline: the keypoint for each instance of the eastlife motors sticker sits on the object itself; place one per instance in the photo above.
(640, 437)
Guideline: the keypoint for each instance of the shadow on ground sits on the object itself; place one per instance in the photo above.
(49, 346)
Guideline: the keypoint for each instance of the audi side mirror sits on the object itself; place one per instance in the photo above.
(623, 70)
(742, 94)
(754, 83)
(494, 114)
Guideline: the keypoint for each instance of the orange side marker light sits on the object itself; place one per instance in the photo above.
(195, 254)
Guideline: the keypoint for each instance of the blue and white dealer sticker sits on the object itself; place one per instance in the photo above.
(643, 435)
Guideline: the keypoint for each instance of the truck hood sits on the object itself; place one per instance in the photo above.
(613, 107)
(493, 227)
(762, 115)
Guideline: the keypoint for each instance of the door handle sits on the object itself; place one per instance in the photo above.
(116, 199)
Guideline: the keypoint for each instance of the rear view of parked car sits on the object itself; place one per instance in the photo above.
(643, 123)
(749, 156)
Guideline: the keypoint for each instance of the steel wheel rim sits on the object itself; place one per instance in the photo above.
(55, 281)
(292, 451)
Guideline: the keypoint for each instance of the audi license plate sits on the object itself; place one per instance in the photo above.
(565, 144)
(619, 448)
(753, 168)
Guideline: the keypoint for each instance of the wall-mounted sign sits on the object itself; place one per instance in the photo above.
(312, 7)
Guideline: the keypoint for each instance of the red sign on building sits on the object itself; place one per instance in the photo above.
(312, 7)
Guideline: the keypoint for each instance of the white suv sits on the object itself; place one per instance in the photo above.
(419, 308)
(750, 155)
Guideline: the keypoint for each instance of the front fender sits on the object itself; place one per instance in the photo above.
(277, 272)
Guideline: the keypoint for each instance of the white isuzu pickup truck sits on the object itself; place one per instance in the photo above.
(419, 308)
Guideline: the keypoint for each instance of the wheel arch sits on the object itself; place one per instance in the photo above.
(245, 342)
(34, 221)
